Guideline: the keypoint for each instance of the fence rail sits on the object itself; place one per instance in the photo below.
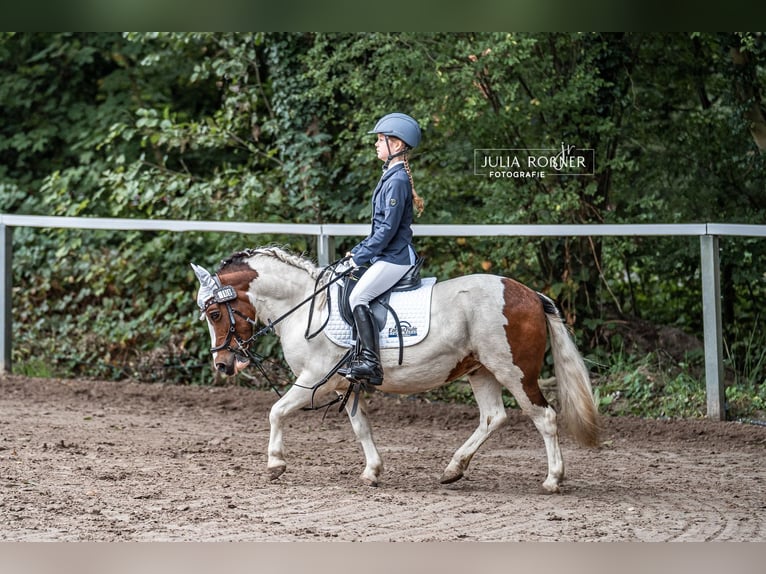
(708, 233)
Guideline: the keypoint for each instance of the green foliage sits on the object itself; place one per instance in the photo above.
(746, 356)
(273, 127)
(459, 392)
(651, 386)
(655, 385)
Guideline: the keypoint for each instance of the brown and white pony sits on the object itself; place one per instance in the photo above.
(491, 329)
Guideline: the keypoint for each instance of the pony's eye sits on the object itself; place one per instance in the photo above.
(215, 315)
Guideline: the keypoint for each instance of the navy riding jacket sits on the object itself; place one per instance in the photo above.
(390, 237)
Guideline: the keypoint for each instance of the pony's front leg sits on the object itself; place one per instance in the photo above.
(363, 431)
(295, 398)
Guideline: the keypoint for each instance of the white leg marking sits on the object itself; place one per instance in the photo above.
(544, 419)
(294, 399)
(363, 431)
(492, 416)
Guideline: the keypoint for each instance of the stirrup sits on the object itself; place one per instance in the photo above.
(348, 373)
(363, 384)
(373, 380)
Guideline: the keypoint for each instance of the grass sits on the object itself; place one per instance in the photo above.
(653, 386)
(34, 368)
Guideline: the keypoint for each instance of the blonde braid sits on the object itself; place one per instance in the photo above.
(416, 199)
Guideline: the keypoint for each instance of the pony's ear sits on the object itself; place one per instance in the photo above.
(207, 285)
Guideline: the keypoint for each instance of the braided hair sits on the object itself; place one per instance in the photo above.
(417, 201)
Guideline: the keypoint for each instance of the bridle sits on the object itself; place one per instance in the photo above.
(225, 294)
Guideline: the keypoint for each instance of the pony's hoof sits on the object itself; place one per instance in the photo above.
(276, 471)
(369, 481)
(451, 476)
(550, 489)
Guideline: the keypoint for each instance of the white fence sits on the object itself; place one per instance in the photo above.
(708, 233)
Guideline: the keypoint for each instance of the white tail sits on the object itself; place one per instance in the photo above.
(578, 408)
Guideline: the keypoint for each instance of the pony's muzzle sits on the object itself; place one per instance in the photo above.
(231, 364)
(224, 368)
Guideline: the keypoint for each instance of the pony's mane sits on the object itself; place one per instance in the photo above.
(279, 253)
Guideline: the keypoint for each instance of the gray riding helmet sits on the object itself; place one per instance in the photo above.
(400, 126)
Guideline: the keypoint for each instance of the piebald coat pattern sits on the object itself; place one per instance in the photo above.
(490, 328)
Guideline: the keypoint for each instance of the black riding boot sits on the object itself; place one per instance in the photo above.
(365, 366)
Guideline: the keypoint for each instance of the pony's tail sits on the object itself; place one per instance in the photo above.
(578, 408)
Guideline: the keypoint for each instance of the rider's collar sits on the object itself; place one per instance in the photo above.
(388, 167)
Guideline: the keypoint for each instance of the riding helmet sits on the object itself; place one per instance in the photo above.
(399, 125)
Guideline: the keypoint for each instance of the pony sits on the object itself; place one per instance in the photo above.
(488, 328)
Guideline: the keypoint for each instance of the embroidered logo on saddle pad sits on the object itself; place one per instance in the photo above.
(412, 307)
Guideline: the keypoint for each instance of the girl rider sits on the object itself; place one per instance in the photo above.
(388, 249)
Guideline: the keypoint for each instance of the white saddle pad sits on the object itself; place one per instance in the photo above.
(412, 307)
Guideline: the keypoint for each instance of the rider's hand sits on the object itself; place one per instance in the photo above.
(349, 261)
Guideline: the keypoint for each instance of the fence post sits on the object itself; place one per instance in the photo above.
(325, 249)
(6, 314)
(711, 315)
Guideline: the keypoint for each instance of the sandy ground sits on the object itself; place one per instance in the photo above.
(119, 461)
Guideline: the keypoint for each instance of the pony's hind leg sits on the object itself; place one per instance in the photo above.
(492, 416)
(526, 391)
(544, 419)
(528, 395)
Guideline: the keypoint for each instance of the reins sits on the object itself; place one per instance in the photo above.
(244, 345)
(269, 328)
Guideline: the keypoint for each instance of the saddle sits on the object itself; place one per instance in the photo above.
(379, 306)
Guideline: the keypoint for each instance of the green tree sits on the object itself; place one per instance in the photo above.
(273, 127)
